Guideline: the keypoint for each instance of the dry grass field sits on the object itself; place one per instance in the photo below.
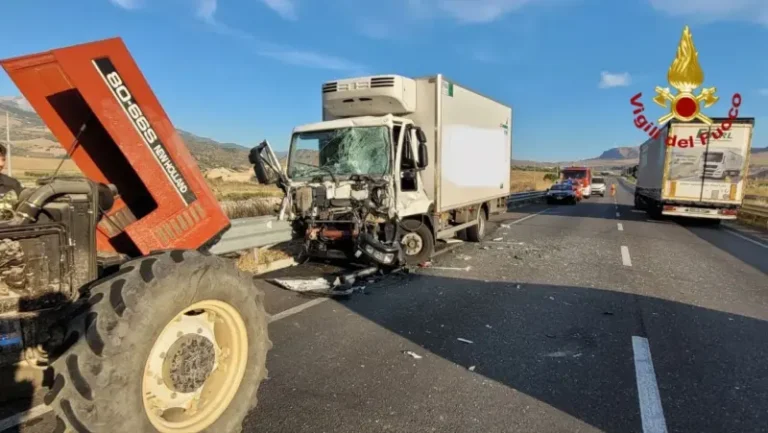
(757, 187)
(521, 180)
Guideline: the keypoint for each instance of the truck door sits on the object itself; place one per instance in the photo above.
(411, 197)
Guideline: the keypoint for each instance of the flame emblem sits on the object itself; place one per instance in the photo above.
(685, 75)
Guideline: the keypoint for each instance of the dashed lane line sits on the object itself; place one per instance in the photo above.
(651, 411)
(625, 259)
(620, 226)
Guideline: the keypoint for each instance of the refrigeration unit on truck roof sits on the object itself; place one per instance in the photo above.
(370, 96)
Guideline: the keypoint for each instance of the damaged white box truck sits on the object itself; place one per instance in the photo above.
(396, 164)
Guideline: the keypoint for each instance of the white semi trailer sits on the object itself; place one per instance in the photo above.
(396, 164)
(702, 176)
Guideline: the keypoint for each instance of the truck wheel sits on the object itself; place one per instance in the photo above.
(476, 233)
(418, 242)
(639, 205)
(173, 342)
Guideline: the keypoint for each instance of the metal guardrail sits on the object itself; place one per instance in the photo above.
(525, 196)
(753, 208)
(255, 232)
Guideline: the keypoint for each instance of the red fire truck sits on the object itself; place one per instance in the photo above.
(581, 176)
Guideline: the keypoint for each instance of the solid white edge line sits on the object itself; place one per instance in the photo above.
(625, 259)
(651, 410)
(746, 238)
(296, 309)
(620, 226)
(22, 417)
(529, 216)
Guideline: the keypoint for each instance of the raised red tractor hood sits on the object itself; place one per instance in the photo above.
(95, 100)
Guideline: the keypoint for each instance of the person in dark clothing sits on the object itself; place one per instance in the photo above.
(7, 183)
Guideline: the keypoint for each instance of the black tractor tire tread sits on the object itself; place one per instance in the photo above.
(95, 386)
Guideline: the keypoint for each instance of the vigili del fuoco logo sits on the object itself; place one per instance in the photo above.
(686, 76)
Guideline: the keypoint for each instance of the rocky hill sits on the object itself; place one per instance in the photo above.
(31, 138)
(621, 153)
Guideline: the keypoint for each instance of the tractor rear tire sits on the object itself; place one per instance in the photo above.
(217, 345)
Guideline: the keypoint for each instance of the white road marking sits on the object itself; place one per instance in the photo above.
(621, 227)
(296, 309)
(651, 411)
(22, 417)
(625, 259)
(529, 216)
(746, 238)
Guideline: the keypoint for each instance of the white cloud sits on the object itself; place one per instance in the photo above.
(480, 11)
(127, 4)
(205, 11)
(284, 8)
(715, 10)
(308, 59)
(608, 80)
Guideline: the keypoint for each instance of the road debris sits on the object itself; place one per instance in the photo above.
(350, 278)
(489, 326)
(426, 264)
(506, 226)
(464, 340)
(339, 286)
(413, 355)
(443, 268)
(498, 239)
(471, 368)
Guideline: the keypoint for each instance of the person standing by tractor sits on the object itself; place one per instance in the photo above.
(10, 188)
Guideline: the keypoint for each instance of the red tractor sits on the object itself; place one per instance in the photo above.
(106, 281)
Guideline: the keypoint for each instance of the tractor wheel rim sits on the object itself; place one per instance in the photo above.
(195, 367)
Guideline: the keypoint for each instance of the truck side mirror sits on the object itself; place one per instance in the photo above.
(421, 136)
(259, 168)
(423, 154)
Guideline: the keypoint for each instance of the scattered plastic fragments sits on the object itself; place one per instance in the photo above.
(464, 340)
(471, 368)
(413, 355)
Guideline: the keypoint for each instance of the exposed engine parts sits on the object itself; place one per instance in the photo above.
(349, 217)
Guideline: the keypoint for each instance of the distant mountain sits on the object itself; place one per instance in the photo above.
(621, 153)
(32, 138)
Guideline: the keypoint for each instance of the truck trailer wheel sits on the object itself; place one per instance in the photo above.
(417, 242)
(476, 233)
(173, 342)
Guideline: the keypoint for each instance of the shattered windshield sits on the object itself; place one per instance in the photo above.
(340, 152)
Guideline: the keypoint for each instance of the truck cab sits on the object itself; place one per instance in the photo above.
(350, 177)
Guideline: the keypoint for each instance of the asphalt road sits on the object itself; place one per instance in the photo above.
(560, 305)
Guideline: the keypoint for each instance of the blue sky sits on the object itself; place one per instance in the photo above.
(244, 70)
